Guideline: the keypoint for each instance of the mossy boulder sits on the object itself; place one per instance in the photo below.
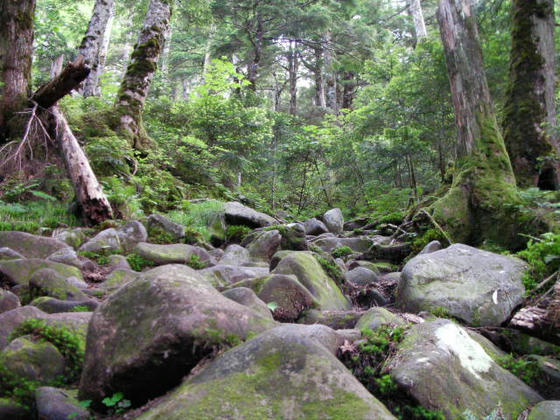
(118, 278)
(235, 255)
(54, 404)
(315, 227)
(34, 360)
(338, 320)
(30, 246)
(47, 282)
(9, 254)
(376, 317)
(247, 297)
(289, 372)
(107, 240)
(226, 275)
(51, 305)
(545, 410)
(8, 301)
(150, 333)
(262, 245)
(312, 276)
(293, 237)
(19, 272)
(478, 287)
(237, 214)
(10, 320)
(72, 237)
(358, 245)
(163, 228)
(361, 277)
(66, 256)
(172, 253)
(131, 234)
(443, 368)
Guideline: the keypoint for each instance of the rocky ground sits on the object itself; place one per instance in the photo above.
(322, 319)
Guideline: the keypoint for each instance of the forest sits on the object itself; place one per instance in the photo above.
(347, 186)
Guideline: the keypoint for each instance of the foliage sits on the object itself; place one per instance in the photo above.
(196, 262)
(138, 263)
(526, 370)
(236, 233)
(543, 256)
(102, 257)
(116, 404)
(200, 219)
(342, 252)
(30, 216)
(330, 267)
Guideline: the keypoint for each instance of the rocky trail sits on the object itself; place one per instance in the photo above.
(318, 320)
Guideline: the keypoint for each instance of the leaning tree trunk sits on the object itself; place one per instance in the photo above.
(16, 52)
(93, 41)
(481, 201)
(140, 72)
(530, 101)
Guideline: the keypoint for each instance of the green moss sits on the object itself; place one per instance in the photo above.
(342, 252)
(138, 263)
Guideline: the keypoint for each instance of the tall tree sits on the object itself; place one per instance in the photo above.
(16, 48)
(530, 103)
(418, 19)
(476, 206)
(94, 43)
(140, 72)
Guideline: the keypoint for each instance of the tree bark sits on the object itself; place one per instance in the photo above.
(530, 103)
(477, 205)
(140, 72)
(16, 55)
(418, 19)
(94, 41)
(54, 90)
(293, 66)
(94, 204)
(349, 90)
(254, 65)
(320, 93)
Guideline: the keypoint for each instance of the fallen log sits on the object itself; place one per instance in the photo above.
(62, 84)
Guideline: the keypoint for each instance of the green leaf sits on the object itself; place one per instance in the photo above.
(272, 306)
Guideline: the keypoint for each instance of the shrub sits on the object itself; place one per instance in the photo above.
(342, 251)
(138, 263)
(543, 256)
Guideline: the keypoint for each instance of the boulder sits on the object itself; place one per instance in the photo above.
(338, 320)
(159, 225)
(235, 255)
(289, 372)
(478, 287)
(51, 305)
(118, 262)
(264, 245)
(150, 333)
(293, 237)
(34, 360)
(30, 246)
(75, 322)
(334, 220)
(314, 227)
(18, 272)
(10, 320)
(9, 254)
(118, 278)
(359, 244)
(545, 410)
(361, 277)
(172, 254)
(47, 282)
(312, 276)
(8, 301)
(72, 237)
(106, 240)
(431, 247)
(443, 368)
(132, 234)
(376, 317)
(58, 404)
(237, 214)
(66, 256)
(246, 297)
(226, 275)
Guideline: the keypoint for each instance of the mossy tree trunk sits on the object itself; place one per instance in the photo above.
(94, 41)
(140, 72)
(481, 201)
(530, 101)
(16, 48)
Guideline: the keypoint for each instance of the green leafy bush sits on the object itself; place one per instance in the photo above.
(138, 263)
(342, 252)
(543, 256)
(236, 233)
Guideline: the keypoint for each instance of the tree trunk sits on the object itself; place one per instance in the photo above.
(94, 204)
(140, 72)
(349, 90)
(320, 92)
(479, 204)
(103, 54)
(293, 63)
(16, 52)
(418, 19)
(93, 42)
(330, 85)
(253, 70)
(530, 100)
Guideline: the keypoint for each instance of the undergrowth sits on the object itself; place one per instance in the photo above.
(543, 256)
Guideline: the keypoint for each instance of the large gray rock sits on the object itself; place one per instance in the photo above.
(58, 404)
(118, 278)
(47, 282)
(338, 320)
(158, 224)
(10, 320)
(334, 220)
(66, 256)
(238, 214)
(288, 373)
(9, 254)
(361, 277)
(172, 254)
(225, 275)
(52, 306)
(132, 234)
(18, 272)
(376, 317)
(445, 369)
(315, 227)
(264, 245)
(33, 360)
(8, 301)
(359, 244)
(311, 275)
(72, 237)
(247, 297)
(30, 246)
(106, 240)
(478, 287)
(545, 410)
(150, 333)
(235, 255)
